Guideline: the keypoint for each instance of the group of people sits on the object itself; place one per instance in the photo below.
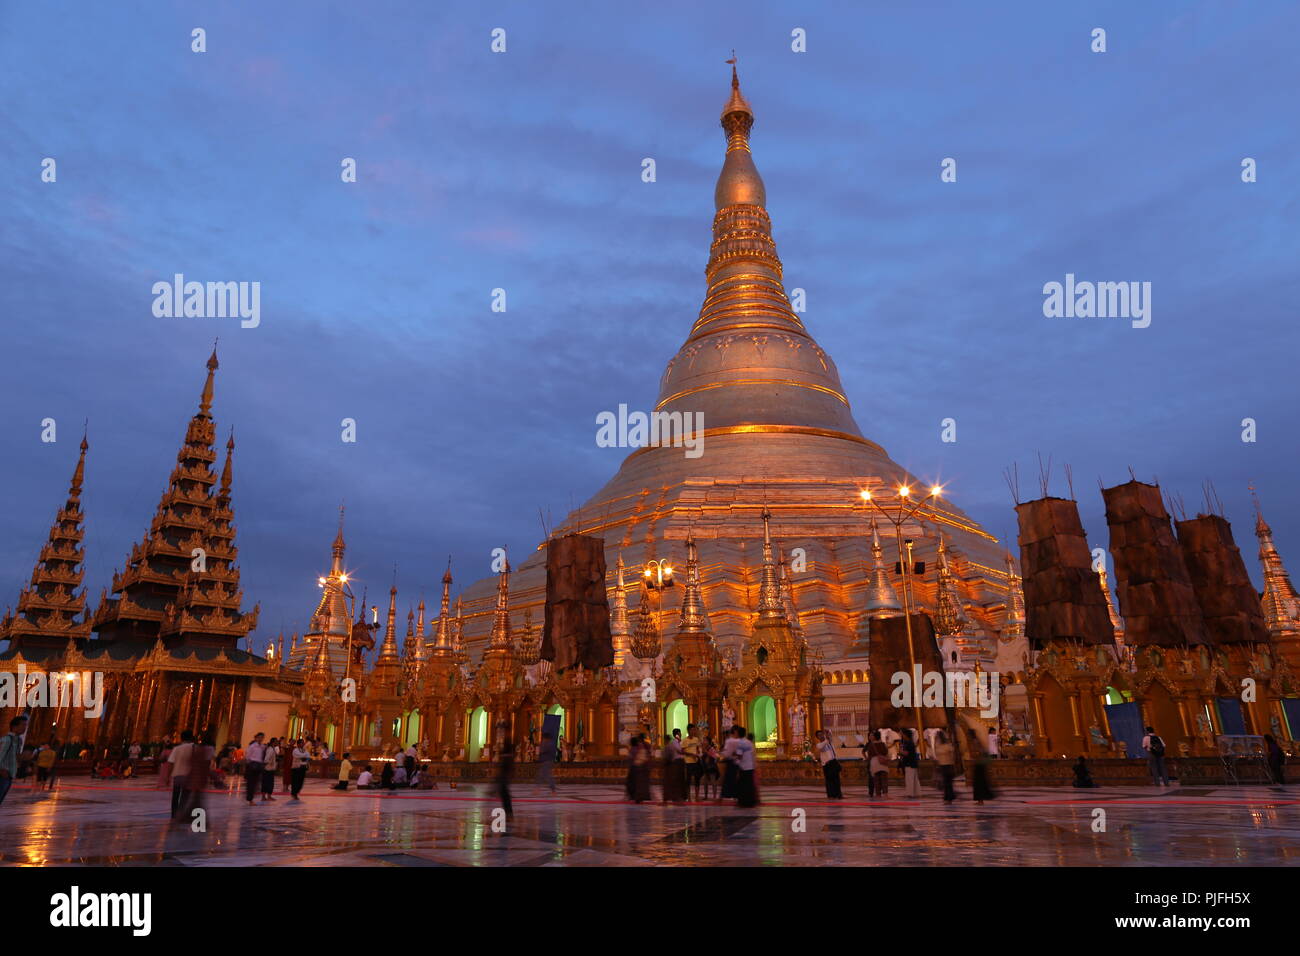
(695, 764)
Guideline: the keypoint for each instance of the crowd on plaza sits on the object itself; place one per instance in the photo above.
(691, 766)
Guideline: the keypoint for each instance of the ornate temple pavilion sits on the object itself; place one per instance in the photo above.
(167, 638)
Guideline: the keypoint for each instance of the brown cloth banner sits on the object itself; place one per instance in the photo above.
(577, 605)
(1063, 597)
(1155, 591)
(1229, 603)
(889, 656)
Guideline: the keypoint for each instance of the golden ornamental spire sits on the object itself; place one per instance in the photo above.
(226, 469)
(1280, 600)
(769, 591)
(1013, 627)
(947, 612)
(501, 621)
(205, 400)
(442, 643)
(50, 605)
(620, 633)
(882, 601)
(694, 618)
(388, 652)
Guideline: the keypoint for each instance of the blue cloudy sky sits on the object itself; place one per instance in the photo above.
(522, 171)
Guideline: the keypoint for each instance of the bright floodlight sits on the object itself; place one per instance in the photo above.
(936, 490)
(904, 491)
(866, 494)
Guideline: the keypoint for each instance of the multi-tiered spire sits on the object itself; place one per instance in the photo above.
(749, 365)
(881, 599)
(442, 635)
(1280, 600)
(693, 644)
(181, 582)
(619, 631)
(1013, 628)
(947, 613)
(388, 650)
(48, 609)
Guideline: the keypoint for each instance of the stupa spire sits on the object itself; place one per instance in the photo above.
(947, 613)
(882, 601)
(442, 643)
(618, 624)
(1280, 600)
(769, 590)
(694, 618)
(501, 621)
(1014, 625)
(749, 365)
(205, 399)
(388, 651)
(49, 607)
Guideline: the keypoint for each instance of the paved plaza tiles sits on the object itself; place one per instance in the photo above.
(85, 822)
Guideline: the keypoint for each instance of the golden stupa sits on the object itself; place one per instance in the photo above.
(778, 434)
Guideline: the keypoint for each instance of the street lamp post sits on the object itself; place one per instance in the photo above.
(897, 519)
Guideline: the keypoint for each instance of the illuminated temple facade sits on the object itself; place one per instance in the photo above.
(780, 567)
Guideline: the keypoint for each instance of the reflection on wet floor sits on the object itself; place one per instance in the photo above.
(125, 824)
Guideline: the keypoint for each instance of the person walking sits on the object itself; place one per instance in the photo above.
(45, 761)
(1276, 758)
(1154, 745)
(877, 766)
(286, 765)
(11, 745)
(830, 765)
(202, 754)
(674, 769)
(270, 764)
(946, 756)
(743, 755)
(981, 788)
(546, 757)
(253, 755)
(301, 763)
(164, 766)
(505, 769)
(182, 756)
(910, 761)
(639, 766)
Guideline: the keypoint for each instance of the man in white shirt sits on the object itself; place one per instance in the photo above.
(830, 765)
(301, 762)
(181, 756)
(254, 754)
(994, 742)
(743, 754)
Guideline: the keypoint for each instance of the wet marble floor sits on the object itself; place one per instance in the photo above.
(84, 822)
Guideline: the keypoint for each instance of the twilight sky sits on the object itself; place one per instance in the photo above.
(522, 171)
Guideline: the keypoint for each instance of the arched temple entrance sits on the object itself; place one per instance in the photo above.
(478, 734)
